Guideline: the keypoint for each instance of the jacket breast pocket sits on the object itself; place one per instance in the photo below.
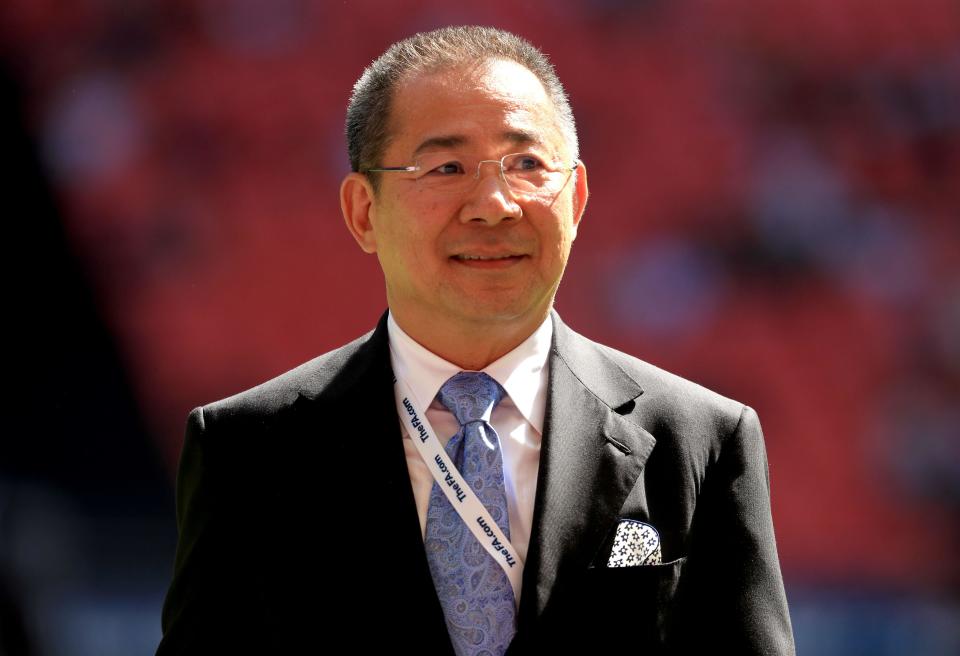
(630, 607)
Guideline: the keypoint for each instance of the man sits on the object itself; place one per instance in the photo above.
(618, 506)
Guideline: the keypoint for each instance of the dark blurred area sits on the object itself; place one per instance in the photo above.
(775, 213)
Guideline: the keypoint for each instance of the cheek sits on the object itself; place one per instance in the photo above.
(560, 233)
(419, 202)
(422, 220)
(562, 245)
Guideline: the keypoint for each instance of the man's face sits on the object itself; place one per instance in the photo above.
(428, 243)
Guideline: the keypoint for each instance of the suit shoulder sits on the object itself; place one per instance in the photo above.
(673, 395)
(310, 379)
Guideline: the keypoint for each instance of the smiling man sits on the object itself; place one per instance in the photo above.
(472, 477)
(472, 250)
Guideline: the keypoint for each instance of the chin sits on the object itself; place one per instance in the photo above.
(499, 312)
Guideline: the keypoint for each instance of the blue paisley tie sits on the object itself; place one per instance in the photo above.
(474, 591)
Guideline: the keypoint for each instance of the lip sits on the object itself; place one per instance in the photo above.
(485, 261)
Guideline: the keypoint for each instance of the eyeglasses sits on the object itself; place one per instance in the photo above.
(526, 174)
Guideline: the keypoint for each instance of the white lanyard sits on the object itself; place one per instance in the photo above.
(473, 513)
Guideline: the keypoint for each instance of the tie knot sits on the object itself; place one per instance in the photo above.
(471, 396)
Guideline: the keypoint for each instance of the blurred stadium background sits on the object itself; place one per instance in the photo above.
(775, 213)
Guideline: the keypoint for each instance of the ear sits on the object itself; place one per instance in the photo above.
(580, 194)
(356, 203)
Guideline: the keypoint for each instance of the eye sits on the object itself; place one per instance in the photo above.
(524, 162)
(451, 167)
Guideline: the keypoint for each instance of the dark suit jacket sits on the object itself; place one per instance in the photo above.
(299, 533)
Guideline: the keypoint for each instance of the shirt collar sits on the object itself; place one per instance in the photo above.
(523, 372)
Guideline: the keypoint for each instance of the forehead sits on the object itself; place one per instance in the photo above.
(485, 105)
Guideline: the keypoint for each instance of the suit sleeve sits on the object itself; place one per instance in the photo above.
(205, 608)
(734, 585)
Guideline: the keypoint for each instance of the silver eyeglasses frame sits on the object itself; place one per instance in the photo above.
(551, 167)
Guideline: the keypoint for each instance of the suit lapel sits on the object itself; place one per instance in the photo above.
(362, 391)
(591, 457)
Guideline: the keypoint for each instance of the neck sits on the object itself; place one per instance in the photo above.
(469, 345)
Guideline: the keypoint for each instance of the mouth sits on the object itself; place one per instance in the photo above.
(487, 261)
(464, 256)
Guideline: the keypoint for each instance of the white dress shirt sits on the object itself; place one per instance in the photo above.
(518, 419)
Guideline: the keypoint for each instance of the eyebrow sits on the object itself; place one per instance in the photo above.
(516, 137)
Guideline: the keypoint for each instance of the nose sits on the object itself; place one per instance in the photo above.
(491, 200)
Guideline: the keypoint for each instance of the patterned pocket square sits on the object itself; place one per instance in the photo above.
(635, 544)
